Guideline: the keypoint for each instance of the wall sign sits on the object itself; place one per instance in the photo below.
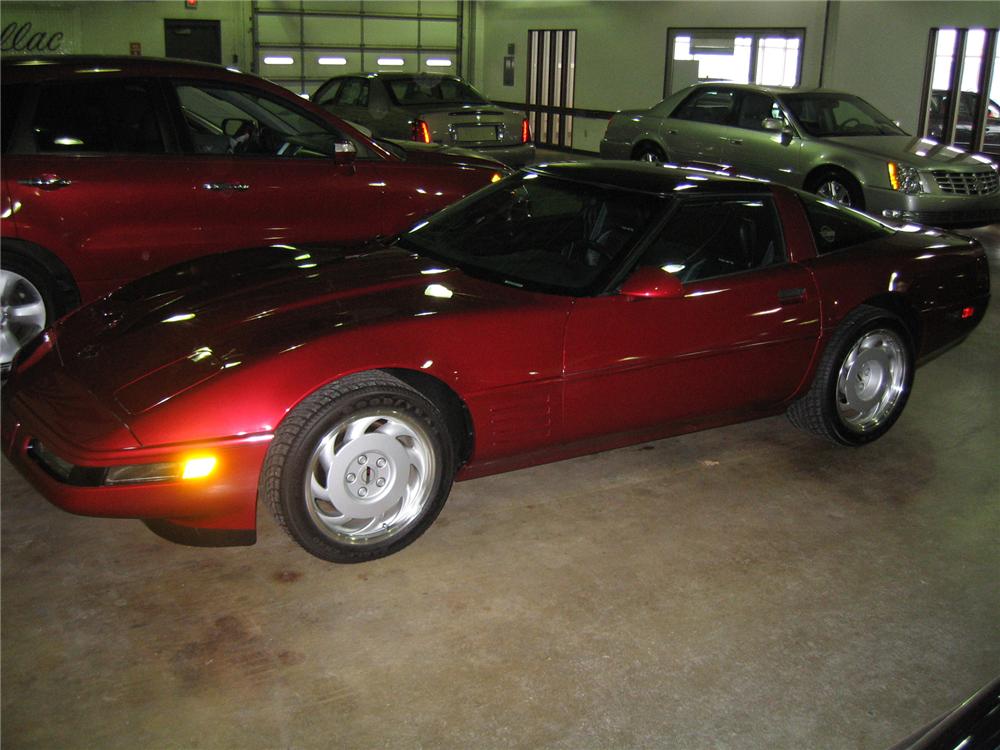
(21, 36)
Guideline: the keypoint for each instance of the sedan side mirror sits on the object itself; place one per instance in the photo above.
(649, 282)
(773, 123)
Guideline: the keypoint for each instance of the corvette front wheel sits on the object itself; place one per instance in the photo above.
(359, 469)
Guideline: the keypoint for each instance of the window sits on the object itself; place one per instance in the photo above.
(959, 66)
(422, 90)
(10, 106)
(224, 120)
(353, 93)
(327, 93)
(708, 238)
(551, 85)
(755, 108)
(111, 116)
(539, 232)
(713, 106)
(766, 57)
(836, 228)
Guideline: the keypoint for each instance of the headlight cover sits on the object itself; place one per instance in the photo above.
(904, 179)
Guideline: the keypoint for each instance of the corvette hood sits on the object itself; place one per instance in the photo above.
(920, 152)
(186, 324)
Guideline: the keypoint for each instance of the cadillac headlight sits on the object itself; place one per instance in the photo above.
(905, 179)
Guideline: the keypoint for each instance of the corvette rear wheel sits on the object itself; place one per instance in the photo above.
(359, 469)
(863, 380)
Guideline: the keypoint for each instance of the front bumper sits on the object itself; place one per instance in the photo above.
(933, 209)
(225, 502)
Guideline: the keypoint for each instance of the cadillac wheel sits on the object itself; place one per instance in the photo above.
(359, 469)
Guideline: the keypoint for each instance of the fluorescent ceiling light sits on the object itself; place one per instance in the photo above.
(391, 61)
(333, 61)
(438, 62)
(276, 60)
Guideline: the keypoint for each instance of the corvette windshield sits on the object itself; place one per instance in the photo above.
(539, 232)
(825, 115)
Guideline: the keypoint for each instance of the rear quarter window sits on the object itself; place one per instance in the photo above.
(835, 228)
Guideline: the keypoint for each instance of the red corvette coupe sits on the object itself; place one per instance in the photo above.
(564, 310)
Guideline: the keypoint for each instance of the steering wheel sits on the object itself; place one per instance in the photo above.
(850, 122)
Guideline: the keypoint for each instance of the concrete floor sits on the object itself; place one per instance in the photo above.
(746, 587)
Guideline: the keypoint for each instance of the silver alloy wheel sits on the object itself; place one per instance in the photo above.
(371, 477)
(649, 156)
(835, 190)
(22, 313)
(871, 380)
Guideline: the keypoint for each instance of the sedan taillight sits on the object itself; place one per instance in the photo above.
(421, 132)
(525, 131)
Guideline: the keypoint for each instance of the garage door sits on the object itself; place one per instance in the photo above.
(301, 44)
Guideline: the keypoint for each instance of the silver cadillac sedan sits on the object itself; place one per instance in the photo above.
(429, 108)
(833, 144)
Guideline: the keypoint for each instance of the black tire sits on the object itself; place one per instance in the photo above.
(838, 186)
(649, 152)
(28, 302)
(863, 380)
(345, 449)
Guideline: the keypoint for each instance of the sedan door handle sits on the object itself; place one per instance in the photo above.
(791, 295)
(671, 131)
(46, 182)
(235, 186)
(736, 141)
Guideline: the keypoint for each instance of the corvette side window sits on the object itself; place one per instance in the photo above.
(836, 228)
(109, 116)
(708, 238)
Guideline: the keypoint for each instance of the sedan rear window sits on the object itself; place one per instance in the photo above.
(418, 90)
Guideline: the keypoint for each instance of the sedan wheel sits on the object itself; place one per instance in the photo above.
(835, 190)
(862, 382)
(650, 153)
(360, 469)
(23, 313)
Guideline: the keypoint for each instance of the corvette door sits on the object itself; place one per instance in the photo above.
(739, 340)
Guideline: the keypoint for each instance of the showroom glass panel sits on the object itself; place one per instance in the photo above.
(836, 228)
(768, 57)
(109, 116)
(717, 237)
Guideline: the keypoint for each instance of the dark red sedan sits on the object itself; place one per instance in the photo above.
(117, 167)
(565, 310)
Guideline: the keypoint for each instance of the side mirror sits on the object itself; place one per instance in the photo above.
(344, 152)
(772, 123)
(650, 282)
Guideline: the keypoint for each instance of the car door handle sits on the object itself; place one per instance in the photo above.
(671, 131)
(791, 295)
(736, 141)
(234, 186)
(46, 182)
